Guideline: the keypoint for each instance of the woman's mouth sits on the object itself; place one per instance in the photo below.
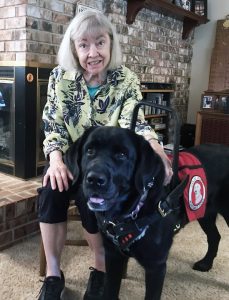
(94, 63)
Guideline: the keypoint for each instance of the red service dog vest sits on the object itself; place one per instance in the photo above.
(195, 193)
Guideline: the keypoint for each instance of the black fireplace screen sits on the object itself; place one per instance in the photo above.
(42, 98)
(23, 94)
(6, 122)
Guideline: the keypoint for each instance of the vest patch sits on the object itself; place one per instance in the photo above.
(195, 193)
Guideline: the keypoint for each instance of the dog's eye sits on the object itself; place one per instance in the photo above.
(121, 156)
(90, 151)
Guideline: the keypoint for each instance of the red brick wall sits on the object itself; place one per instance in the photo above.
(31, 32)
(18, 209)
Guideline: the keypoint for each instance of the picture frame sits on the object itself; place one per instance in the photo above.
(185, 4)
(224, 104)
(208, 102)
(199, 7)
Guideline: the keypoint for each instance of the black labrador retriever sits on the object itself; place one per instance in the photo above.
(122, 181)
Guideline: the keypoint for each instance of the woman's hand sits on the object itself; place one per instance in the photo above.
(167, 163)
(57, 173)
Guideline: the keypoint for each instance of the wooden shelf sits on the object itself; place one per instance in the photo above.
(165, 7)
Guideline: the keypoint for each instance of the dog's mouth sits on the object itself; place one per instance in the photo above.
(96, 203)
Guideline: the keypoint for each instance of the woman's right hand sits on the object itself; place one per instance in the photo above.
(57, 173)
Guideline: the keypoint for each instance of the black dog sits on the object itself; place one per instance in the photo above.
(122, 181)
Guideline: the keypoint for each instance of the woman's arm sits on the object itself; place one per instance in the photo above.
(57, 138)
(56, 134)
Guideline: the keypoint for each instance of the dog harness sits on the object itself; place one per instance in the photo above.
(127, 229)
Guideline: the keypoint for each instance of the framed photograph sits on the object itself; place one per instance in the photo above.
(186, 4)
(224, 104)
(199, 7)
(208, 102)
(177, 2)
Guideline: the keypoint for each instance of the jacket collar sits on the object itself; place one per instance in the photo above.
(113, 76)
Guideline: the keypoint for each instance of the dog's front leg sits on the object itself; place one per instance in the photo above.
(152, 252)
(154, 279)
(115, 265)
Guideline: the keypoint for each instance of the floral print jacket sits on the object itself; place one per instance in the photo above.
(69, 110)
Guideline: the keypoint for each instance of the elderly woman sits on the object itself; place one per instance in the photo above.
(88, 87)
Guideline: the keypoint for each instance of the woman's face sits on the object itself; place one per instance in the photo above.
(94, 52)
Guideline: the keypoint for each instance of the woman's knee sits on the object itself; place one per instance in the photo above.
(52, 205)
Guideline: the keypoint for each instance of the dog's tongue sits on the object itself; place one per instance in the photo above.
(97, 200)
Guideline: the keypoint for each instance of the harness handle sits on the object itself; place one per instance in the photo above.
(176, 136)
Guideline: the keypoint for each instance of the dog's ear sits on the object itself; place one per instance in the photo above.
(73, 155)
(150, 168)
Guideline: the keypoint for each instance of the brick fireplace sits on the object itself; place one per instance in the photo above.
(31, 32)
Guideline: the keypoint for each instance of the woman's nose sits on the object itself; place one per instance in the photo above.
(93, 51)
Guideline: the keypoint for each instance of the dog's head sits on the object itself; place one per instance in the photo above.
(113, 165)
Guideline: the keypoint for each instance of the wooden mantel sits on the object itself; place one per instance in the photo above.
(165, 7)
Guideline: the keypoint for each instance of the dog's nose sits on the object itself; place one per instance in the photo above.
(93, 178)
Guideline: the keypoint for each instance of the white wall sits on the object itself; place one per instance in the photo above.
(204, 41)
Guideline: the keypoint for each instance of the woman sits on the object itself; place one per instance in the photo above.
(88, 87)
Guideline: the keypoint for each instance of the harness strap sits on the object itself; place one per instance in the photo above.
(128, 230)
(136, 225)
(125, 234)
(171, 203)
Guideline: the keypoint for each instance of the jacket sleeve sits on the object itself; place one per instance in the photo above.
(133, 96)
(56, 134)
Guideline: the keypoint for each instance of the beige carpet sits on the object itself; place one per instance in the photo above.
(19, 267)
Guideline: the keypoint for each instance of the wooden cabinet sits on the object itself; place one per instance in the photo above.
(212, 127)
(157, 118)
(166, 7)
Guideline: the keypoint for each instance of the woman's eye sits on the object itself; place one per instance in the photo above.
(82, 46)
(101, 43)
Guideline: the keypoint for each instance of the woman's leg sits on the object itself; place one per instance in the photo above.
(96, 281)
(96, 245)
(95, 285)
(53, 237)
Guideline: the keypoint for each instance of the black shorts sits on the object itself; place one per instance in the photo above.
(53, 206)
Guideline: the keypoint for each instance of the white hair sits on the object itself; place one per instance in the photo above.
(87, 22)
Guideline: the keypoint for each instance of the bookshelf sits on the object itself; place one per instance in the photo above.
(157, 118)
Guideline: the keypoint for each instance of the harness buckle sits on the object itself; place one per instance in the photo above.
(110, 229)
(134, 215)
(163, 211)
(111, 223)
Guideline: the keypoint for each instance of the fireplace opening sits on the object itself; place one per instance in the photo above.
(23, 94)
(6, 122)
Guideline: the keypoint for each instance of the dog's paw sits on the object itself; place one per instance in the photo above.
(202, 266)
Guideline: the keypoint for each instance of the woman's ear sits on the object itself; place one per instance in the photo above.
(73, 155)
(150, 168)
